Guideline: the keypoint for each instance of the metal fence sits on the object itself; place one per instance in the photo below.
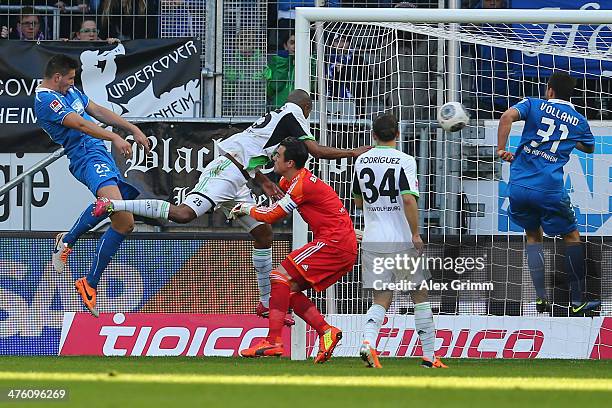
(240, 38)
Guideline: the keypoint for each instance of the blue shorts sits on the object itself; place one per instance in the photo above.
(532, 208)
(97, 169)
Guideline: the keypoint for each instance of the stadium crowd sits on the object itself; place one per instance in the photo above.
(263, 57)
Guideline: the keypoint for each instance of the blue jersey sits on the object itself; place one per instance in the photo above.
(90, 161)
(52, 108)
(551, 131)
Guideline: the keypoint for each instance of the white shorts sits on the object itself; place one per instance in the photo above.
(221, 185)
(375, 272)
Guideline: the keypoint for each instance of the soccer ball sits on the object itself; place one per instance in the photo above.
(453, 116)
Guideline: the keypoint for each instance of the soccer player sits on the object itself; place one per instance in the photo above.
(538, 200)
(65, 113)
(223, 181)
(385, 186)
(318, 264)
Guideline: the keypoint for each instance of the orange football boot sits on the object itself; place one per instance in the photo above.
(88, 295)
(437, 363)
(327, 344)
(369, 355)
(263, 349)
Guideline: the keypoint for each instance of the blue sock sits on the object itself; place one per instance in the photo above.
(107, 247)
(574, 261)
(85, 222)
(535, 261)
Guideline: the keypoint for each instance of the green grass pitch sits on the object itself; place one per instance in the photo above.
(178, 382)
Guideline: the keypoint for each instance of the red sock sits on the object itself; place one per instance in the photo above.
(279, 304)
(303, 307)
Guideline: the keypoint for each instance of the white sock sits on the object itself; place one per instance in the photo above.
(373, 320)
(145, 208)
(262, 261)
(424, 324)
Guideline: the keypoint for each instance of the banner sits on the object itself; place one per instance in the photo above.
(590, 37)
(163, 334)
(475, 336)
(179, 152)
(140, 78)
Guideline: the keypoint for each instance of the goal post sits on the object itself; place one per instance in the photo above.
(416, 60)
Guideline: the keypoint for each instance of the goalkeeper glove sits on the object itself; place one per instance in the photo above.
(240, 209)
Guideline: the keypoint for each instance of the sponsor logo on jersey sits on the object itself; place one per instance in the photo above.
(56, 105)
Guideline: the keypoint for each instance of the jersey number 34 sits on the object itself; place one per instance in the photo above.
(386, 188)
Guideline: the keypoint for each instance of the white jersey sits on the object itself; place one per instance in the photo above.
(253, 148)
(382, 176)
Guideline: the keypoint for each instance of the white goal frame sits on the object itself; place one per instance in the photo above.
(305, 16)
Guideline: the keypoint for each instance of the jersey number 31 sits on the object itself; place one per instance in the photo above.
(546, 134)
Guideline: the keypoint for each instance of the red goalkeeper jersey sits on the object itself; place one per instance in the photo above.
(319, 206)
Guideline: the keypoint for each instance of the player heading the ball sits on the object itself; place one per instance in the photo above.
(223, 182)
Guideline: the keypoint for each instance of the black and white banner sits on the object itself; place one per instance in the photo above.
(140, 78)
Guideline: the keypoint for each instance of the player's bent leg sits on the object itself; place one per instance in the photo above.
(64, 242)
(181, 214)
(122, 223)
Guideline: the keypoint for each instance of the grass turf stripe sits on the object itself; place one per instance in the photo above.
(500, 383)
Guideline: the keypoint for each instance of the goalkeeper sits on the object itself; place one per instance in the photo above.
(318, 264)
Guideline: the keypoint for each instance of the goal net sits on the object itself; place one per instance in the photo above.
(358, 70)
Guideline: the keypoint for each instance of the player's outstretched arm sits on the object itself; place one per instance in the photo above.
(503, 131)
(112, 119)
(325, 152)
(76, 122)
(269, 215)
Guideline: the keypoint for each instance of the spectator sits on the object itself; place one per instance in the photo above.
(130, 19)
(347, 73)
(280, 74)
(285, 13)
(244, 74)
(28, 27)
(182, 18)
(88, 31)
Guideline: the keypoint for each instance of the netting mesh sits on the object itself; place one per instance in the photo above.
(363, 70)
(244, 58)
